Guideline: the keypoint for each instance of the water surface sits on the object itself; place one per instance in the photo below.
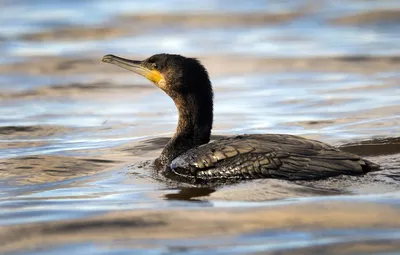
(74, 131)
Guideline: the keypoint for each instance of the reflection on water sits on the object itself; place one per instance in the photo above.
(76, 135)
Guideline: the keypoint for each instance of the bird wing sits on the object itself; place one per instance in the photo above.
(267, 156)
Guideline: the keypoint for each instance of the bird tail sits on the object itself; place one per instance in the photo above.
(369, 166)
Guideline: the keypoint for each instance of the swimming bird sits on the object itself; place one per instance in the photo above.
(190, 156)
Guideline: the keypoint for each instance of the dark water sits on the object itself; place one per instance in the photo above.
(73, 131)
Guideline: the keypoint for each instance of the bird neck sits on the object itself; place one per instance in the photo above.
(194, 125)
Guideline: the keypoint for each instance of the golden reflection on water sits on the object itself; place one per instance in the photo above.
(45, 169)
(127, 207)
(187, 225)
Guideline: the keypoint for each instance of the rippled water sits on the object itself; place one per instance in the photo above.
(73, 131)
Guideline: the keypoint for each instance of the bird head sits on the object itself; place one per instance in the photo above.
(174, 74)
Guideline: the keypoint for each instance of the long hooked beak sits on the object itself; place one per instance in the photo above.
(134, 66)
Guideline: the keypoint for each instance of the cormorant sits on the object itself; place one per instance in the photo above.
(190, 157)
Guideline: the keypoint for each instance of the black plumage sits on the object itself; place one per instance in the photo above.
(189, 156)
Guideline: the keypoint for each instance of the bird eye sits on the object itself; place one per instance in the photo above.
(154, 65)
